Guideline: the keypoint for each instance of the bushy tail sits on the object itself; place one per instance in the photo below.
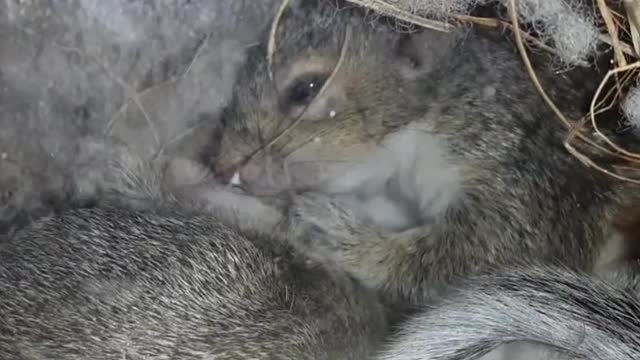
(588, 317)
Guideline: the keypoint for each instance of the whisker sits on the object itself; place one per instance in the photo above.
(323, 161)
(268, 169)
(418, 130)
(324, 87)
(287, 177)
(308, 140)
(271, 51)
(261, 138)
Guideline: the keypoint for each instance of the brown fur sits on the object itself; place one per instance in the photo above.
(446, 128)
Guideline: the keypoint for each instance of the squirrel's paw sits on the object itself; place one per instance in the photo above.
(325, 229)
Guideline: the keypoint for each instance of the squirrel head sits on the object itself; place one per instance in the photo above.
(335, 85)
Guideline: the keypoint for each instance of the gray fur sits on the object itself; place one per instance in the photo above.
(578, 316)
(75, 67)
(458, 138)
(151, 273)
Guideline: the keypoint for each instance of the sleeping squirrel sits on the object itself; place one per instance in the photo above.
(408, 160)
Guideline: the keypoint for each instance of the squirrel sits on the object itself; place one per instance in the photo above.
(567, 314)
(411, 159)
(152, 269)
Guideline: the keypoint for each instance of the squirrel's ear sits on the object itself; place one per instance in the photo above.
(423, 51)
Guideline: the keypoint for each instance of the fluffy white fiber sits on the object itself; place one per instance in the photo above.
(440, 9)
(567, 25)
(631, 108)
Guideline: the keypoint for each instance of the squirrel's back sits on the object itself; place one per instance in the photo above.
(113, 284)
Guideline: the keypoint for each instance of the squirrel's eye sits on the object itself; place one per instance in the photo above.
(303, 90)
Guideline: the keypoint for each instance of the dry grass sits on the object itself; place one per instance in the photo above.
(584, 139)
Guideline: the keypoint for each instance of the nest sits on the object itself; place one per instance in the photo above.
(614, 23)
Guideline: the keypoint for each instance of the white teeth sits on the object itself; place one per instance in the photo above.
(235, 179)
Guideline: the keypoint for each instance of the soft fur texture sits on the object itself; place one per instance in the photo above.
(445, 127)
(152, 273)
(71, 65)
(70, 69)
(438, 161)
(64, 78)
(577, 316)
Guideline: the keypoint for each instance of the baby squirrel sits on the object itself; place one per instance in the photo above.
(411, 159)
(151, 272)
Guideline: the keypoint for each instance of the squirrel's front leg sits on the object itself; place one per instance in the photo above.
(333, 233)
(410, 266)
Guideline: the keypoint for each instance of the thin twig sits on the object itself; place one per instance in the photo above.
(387, 9)
(529, 66)
(613, 32)
(343, 52)
(497, 23)
(573, 130)
(632, 8)
(622, 46)
(136, 96)
(131, 93)
(271, 46)
(588, 162)
(611, 73)
(154, 133)
(174, 139)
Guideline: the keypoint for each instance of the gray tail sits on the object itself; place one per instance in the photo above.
(584, 316)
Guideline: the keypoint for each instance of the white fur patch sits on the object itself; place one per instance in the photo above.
(383, 212)
(235, 179)
(411, 167)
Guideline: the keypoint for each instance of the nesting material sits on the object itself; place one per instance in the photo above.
(439, 9)
(575, 32)
(151, 74)
(567, 25)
